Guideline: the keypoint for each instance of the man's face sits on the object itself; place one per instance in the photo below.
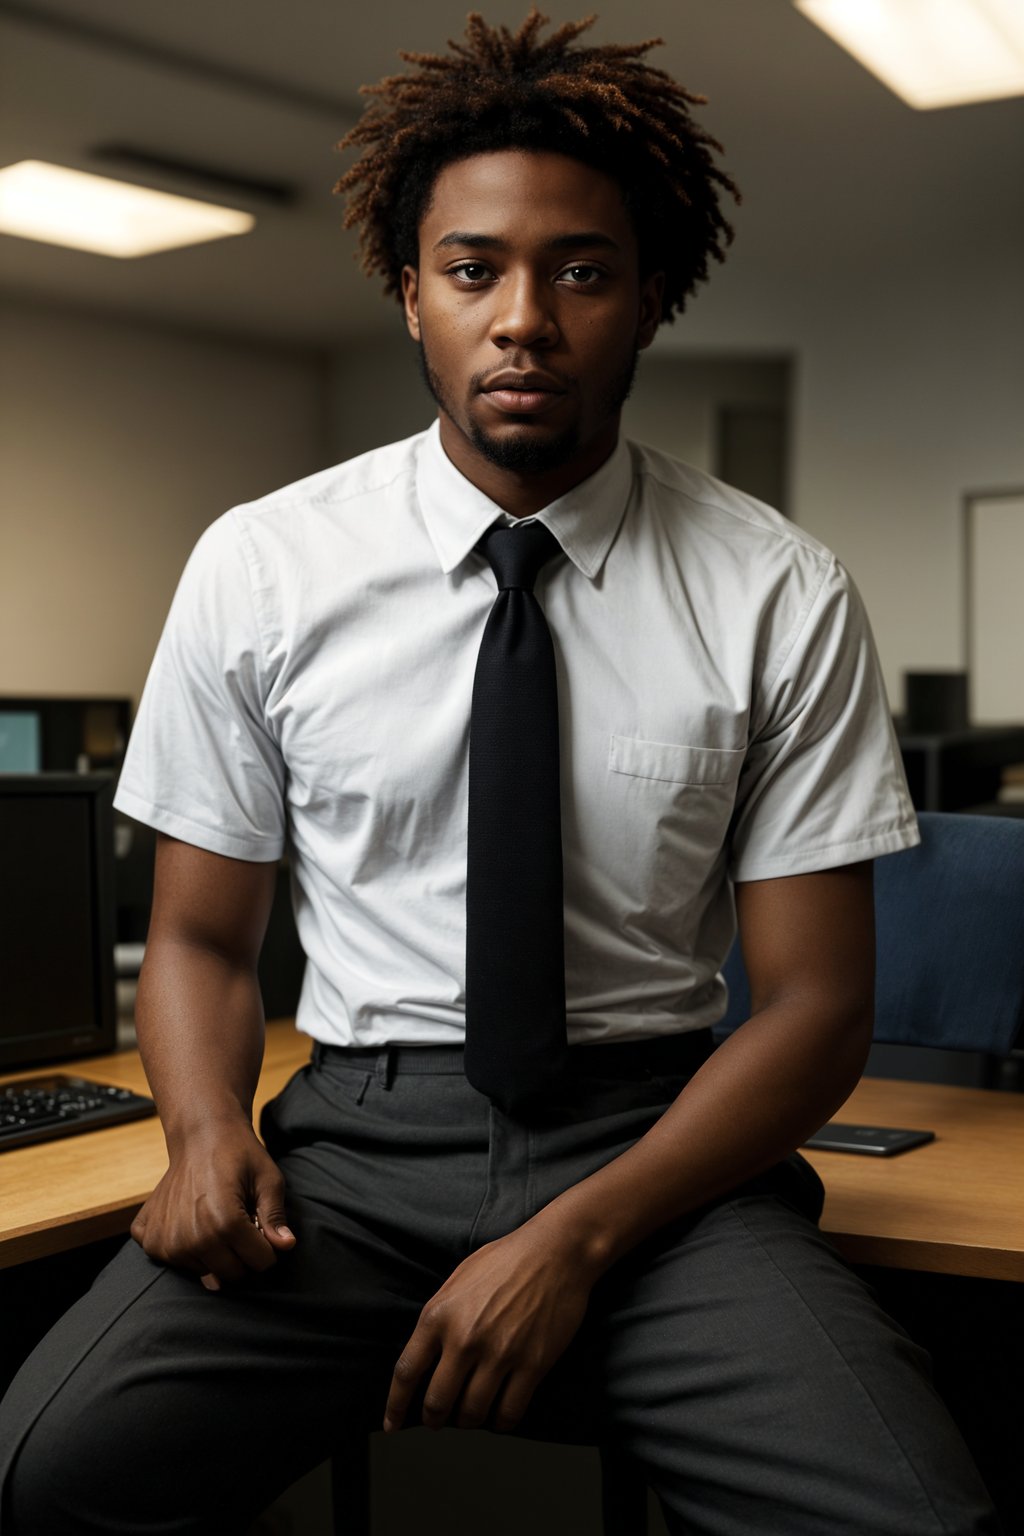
(529, 311)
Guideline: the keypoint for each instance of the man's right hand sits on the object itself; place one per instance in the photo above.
(219, 1209)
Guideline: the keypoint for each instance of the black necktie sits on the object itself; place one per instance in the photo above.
(515, 960)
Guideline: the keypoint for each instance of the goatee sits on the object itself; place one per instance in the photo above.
(525, 454)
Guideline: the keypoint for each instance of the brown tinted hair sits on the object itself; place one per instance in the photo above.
(500, 89)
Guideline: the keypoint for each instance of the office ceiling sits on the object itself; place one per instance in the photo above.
(827, 157)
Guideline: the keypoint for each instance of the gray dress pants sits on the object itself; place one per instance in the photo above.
(733, 1354)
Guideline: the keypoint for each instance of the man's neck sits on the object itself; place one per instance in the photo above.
(522, 493)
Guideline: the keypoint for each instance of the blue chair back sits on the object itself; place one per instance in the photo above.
(949, 919)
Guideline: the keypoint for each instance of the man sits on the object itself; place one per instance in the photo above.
(609, 1234)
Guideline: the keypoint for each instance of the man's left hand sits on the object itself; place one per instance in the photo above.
(492, 1332)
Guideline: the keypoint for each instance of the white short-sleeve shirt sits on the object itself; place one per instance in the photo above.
(722, 719)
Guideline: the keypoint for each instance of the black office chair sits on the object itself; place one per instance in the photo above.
(950, 974)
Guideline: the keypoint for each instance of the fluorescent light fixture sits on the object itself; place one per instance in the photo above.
(932, 53)
(39, 201)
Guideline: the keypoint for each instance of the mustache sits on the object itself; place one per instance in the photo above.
(480, 382)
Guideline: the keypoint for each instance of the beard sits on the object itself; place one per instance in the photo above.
(522, 453)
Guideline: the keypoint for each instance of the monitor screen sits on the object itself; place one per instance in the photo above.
(57, 735)
(21, 741)
(56, 918)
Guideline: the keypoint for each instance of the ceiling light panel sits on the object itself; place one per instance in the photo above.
(932, 53)
(39, 201)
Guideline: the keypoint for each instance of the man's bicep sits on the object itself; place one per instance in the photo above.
(810, 937)
(211, 901)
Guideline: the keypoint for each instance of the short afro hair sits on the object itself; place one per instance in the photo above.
(501, 90)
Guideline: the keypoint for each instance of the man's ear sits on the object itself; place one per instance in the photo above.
(652, 291)
(411, 300)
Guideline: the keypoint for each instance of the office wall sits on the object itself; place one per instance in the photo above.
(678, 400)
(908, 392)
(119, 443)
(374, 393)
(899, 414)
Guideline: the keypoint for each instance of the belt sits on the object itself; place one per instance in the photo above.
(667, 1055)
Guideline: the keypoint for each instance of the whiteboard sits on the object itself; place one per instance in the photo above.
(995, 606)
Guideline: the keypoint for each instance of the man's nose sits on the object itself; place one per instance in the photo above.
(524, 315)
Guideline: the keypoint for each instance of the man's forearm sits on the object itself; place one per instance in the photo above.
(759, 1096)
(219, 1210)
(200, 1025)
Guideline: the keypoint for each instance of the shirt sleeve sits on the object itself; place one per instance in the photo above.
(202, 764)
(822, 782)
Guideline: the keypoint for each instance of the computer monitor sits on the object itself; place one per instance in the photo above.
(56, 735)
(57, 997)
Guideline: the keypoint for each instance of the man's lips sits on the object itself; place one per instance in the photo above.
(525, 394)
(528, 401)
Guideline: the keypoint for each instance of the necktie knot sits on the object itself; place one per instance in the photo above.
(517, 554)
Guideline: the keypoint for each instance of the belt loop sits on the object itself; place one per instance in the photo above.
(385, 1066)
(318, 1054)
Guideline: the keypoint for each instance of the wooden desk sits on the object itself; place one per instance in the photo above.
(955, 1206)
(61, 1194)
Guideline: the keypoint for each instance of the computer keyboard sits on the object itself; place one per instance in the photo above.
(42, 1108)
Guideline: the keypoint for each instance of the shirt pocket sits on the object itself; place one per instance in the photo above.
(673, 763)
(670, 805)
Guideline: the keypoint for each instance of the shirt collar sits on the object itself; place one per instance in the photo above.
(584, 521)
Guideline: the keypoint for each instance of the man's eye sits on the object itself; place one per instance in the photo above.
(583, 275)
(471, 271)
